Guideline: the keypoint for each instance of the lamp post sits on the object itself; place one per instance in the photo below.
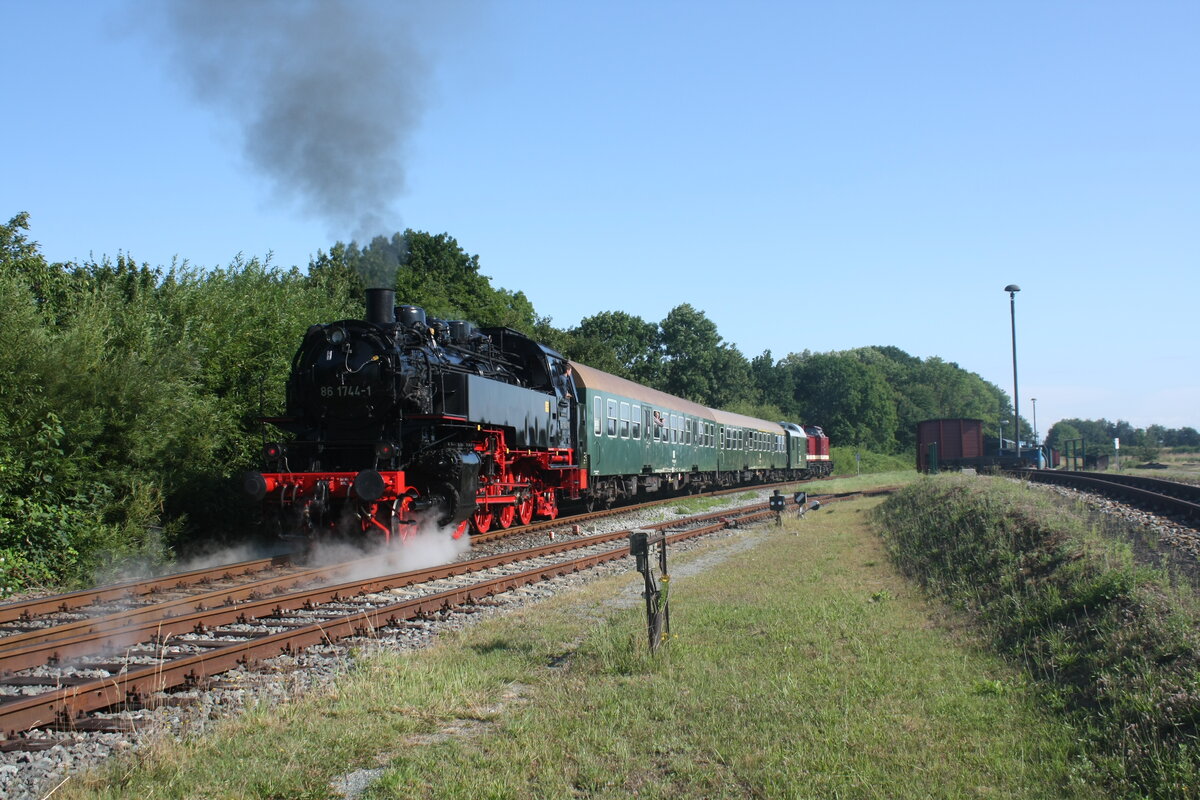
(1012, 290)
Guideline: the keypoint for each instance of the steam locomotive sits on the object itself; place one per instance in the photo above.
(400, 420)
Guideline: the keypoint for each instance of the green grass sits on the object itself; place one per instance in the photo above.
(805, 667)
(1109, 644)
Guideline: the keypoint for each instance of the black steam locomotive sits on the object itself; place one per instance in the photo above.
(399, 418)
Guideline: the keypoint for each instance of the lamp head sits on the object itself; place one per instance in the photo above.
(1012, 287)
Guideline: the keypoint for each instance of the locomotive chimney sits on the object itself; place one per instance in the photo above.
(381, 306)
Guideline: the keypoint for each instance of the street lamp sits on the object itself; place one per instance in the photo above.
(1012, 290)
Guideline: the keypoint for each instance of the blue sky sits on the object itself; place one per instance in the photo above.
(814, 176)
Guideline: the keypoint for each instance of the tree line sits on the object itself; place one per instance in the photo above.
(1098, 437)
(129, 394)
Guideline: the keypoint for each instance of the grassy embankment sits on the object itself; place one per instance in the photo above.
(1111, 646)
(801, 665)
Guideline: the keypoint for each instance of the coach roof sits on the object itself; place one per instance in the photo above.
(598, 381)
(728, 418)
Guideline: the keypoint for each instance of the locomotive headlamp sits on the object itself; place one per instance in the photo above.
(337, 335)
(274, 451)
(385, 450)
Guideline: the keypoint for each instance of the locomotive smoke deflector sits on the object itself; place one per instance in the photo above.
(381, 306)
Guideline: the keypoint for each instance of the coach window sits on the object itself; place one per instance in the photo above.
(687, 431)
(612, 417)
(597, 424)
(637, 422)
(624, 420)
(675, 437)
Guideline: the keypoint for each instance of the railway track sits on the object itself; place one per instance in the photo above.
(54, 677)
(101, 608)
(1179, 500)
(46, 616)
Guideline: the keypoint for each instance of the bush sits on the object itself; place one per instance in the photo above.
(844, 462)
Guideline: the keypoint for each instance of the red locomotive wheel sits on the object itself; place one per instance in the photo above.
(481, 520)
(506, 516)
(525, 509)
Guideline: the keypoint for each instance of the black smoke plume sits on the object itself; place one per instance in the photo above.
(324, 92)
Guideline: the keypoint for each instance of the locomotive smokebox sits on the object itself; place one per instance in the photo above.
(381, 306)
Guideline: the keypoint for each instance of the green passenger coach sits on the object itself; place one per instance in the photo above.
(634, 440)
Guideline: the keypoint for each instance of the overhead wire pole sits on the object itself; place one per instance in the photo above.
(1012, 290)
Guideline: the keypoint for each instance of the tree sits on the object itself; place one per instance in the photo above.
(851, 400)
(620, 343)
(21, 259)
(437, 274)
(697, 364)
